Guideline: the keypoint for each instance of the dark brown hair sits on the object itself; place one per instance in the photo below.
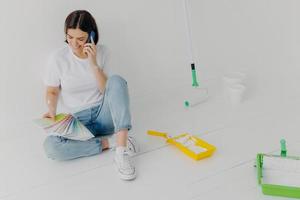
(83, 20)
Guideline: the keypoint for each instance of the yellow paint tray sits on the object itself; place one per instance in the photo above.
(190, 145)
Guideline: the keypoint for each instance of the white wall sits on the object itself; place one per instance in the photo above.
(257, 36)
(148, 45)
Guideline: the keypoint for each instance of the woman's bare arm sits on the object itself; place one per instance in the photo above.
(52, 94)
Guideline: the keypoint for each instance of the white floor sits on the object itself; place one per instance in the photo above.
(238, 132)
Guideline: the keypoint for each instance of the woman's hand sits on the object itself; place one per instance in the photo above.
(91, 50)
(49, 115)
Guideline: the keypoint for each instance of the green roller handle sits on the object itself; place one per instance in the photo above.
(283, 148)
(194, 76)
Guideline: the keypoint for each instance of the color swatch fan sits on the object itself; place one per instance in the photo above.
(65, 125)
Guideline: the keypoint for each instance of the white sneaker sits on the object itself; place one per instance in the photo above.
(124, 165)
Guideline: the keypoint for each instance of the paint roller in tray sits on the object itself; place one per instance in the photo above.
(190, 145)
(279, 175)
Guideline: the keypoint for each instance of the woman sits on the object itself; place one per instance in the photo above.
(77, 75)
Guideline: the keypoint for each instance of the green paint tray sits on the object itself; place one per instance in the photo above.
(279, 175)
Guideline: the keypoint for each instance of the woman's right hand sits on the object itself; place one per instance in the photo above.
(49, 115)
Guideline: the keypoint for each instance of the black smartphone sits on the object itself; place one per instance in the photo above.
(91, 35)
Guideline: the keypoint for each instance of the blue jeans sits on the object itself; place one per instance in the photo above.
(109, 117)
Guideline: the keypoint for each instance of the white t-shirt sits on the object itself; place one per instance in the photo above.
(79, 88)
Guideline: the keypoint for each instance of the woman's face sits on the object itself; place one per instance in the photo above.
(76, 39)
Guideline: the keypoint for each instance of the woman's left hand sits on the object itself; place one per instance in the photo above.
(91, 50)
